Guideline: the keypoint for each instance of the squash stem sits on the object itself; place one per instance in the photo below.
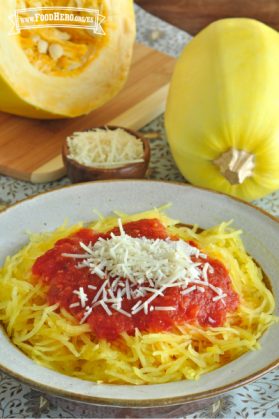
(235, 165)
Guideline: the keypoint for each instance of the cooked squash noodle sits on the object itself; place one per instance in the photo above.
(53, 338)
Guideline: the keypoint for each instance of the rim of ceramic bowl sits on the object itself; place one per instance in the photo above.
(82, 398)
(146, 152)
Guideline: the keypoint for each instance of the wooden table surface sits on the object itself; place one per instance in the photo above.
(194, 15)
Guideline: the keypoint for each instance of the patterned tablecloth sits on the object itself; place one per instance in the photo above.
(257, 400)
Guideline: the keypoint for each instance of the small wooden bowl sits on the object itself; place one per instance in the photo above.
(79, 173)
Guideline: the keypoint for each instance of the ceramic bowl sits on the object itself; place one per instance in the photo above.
(45, 212)
(78, 173)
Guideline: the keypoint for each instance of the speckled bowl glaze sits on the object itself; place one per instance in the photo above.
(191, 205)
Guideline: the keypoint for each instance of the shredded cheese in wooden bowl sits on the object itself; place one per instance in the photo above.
(105, 148)
(104, 153)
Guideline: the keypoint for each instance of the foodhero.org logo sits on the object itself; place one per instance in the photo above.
(59, 17)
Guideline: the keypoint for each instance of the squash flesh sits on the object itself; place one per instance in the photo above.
(90, 72)
(225, 93)
(80, 47)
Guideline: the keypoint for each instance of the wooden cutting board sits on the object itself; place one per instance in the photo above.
(30, 149)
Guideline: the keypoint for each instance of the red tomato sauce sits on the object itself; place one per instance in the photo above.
(196, 307)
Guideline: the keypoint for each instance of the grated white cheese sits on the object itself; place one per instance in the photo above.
(204, 271)
(159, 263)
(165, 308)
(219, 297)
(145, 306)
(70, 255)
(82, 296)
(106, 307)
(139, 259)
(136, 305)
(99, 292)
(122, 311)
(128, 290)
(188, 290)
(216, 289)
(74, 305)
(105, 148)
(88, 312)
(110, 291)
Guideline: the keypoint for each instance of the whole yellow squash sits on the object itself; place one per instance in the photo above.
(222, 114)
(64, 72)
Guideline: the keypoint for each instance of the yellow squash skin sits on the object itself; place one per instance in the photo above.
(225, 93)
(26, 91)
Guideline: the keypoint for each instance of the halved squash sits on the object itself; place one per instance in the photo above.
(64, 72)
